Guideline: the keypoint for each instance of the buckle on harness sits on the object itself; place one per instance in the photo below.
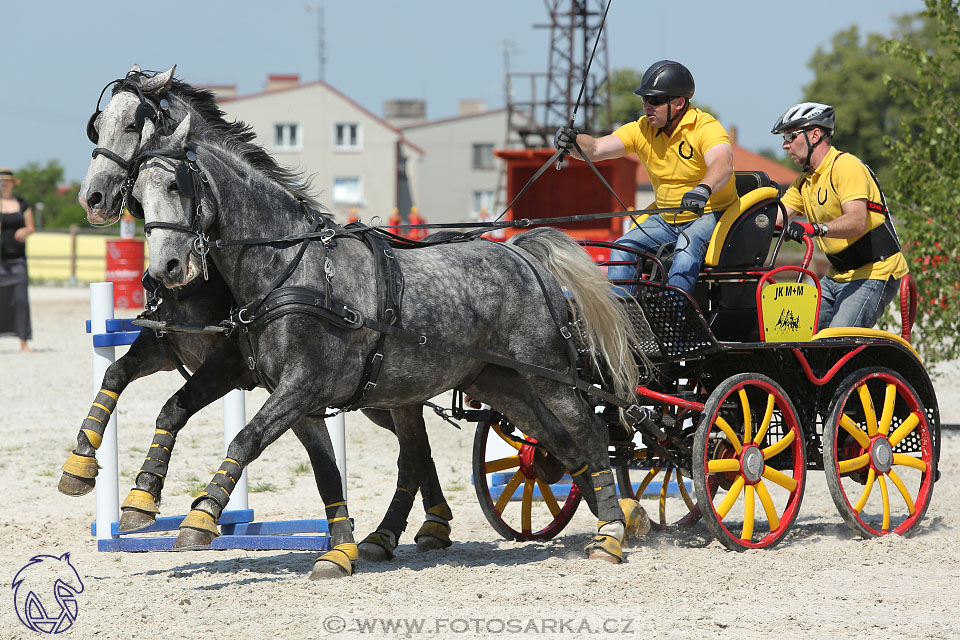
(352, 318)
(565, 332)
(241, 318)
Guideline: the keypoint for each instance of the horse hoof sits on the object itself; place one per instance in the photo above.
(325, 570)
(71, 485)
(636, 521)
(134, 520)
(603, 555)
(371, 552)
(430, 543)
(192, 539)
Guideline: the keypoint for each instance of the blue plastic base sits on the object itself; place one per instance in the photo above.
(237, 531)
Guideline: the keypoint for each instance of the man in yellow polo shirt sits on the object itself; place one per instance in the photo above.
(689, 159)
(847, 213)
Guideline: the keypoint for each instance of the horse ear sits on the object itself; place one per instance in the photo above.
(149, 130)
(134, 70)
(158, 83)
(179, 137)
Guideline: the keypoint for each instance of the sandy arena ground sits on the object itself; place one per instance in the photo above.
(820, 582)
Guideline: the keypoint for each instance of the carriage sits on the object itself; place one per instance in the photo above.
(746, 397)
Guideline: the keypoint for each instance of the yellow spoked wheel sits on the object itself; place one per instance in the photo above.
(662, 490)
(749, 463)
(513, 479)
(878, 453)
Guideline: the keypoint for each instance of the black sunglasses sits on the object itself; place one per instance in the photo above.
(656, 100)
(790, 136)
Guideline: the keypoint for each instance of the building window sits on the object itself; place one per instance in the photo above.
(286, 136)
(347, 191)
(347, 136)
(482, 201)
(483, 155)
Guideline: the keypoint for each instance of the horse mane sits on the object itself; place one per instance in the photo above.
(237, 137)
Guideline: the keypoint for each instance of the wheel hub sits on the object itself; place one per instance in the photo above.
(881, 454)
(751, 463)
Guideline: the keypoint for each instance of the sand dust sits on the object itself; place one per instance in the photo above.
(821, 581)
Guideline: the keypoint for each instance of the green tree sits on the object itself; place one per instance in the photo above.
(924, 156)
(849, 75)
(41, 184)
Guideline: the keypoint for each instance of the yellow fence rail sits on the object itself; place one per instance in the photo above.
(69, 255)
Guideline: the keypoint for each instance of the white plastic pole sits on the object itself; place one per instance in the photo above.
(108, 479)
(234, 419)
(335, 427)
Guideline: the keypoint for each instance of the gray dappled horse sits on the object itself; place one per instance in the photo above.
(463, 305)
(216, 361)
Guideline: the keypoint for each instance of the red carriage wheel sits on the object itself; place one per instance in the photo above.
(678, 509)
(880, 467)
(748, 460)
(514, 483)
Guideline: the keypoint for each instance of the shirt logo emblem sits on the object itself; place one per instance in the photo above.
(680, 150)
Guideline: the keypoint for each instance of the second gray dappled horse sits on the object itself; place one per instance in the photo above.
(480, 295)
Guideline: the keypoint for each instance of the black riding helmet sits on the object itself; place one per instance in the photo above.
(667, 78)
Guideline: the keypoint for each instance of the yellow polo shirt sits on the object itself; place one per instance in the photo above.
(815, 197)
(675, 164)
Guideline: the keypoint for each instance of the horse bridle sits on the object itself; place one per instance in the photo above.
(190, 180)
(159, 113)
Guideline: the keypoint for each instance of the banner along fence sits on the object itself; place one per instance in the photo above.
(71, 256)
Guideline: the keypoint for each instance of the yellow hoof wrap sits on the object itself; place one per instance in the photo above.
(141, 501)
(441, 510)
(81, 466)
(636, 522)
(434, 529)
(604, 547)
(201, 520)
(382, 540)
(343, 555)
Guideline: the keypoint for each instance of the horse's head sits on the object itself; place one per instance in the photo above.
(118, 133)
(169, 190)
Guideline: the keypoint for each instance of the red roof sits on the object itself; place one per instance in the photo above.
(743, 160)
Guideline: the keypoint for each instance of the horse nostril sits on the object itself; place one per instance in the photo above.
(173, 266)
(95, 199)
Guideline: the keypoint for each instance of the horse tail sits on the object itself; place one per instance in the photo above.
(607, 329)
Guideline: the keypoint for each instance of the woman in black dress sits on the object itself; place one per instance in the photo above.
(16, 223)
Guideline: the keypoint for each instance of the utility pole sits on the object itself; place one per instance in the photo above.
(317, 7)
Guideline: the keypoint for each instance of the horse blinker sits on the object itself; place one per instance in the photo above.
(185, 181)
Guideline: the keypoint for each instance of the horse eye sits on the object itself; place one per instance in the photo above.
(172, 187)
(130, 128)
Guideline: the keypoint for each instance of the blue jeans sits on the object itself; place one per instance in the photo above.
(854, 304)
(654, 232)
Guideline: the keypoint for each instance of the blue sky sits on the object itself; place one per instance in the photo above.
(749, 57)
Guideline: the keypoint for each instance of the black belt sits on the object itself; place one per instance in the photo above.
(874, 246)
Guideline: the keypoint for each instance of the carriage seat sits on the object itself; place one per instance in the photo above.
(742, 236)
(741, 242)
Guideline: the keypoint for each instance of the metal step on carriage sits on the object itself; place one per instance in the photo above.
(747, 397)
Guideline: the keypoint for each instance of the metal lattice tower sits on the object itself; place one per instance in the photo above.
(551, 97)
(538, 103)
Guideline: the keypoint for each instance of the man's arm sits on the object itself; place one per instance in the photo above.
(719, 159)
(852, 223)
(603, 148)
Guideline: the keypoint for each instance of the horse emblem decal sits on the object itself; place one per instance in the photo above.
(39, 609)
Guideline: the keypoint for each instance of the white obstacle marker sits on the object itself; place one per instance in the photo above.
(238, 531)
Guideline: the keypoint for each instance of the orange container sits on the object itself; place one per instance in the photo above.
(124, 270)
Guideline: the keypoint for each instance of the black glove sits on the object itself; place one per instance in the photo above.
(797, 230)
(564, 138)
(696, 199)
